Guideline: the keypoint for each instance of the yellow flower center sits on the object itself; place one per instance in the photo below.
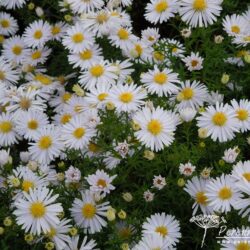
(17, 50)
(36, 55)
(174, 50)
(26, 185)
(126, 97)
(45, 80)
(102, 96)
(219, 119)
(45, 142)
(235, 29)
(2, 75)
(157, 248)
(102, 18)
(161, 6)
(242, 246)
(160, 78)
(33, 124)
(158, 56)
(162, 230)
(242, 114)
(246, 38)
(201, 198)
(2, 39)
(155, 127)
(194, 63)
(242, 53)
(5, 127)
(200, 5)
(123, 34)
(247, 176)
(187, 93)
(66, 118)
(102, 183)
(66, 96)
(97, 70)
(125, 233)
(88, 211)
(93, 147)
(51, 233)
(37, 209)
(79, 133)
(78, 38)
(138, 49)
(225, 193)
(86, 54)
(25, 103)
(55, 30)
(5, 23)
(38, 34)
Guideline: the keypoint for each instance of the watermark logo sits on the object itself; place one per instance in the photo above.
(206, 222)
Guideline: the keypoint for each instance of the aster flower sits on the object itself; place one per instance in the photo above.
(37, 211)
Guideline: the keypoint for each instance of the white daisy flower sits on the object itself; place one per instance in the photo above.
(100, 23)
(101, 182)
(36, 56)
(8, 74)
(127, 98)
(161, 10)
(25, 100)
(80, 7)
(13, 4)
(58, 30)
(37, 211)
(86, 245)
(14, 50)
(199, 13)
(222, 193)
(77, 39)
(8, 135)
(37, 34)
(157, 128)
(8, 25)
(28, 123)
(75, 105)
(58, 234)
(242, 110)
(101, 72)
(76, 134)
(97, 97)
(241, 171)
(219, 121)
(235, 25)
(164, 225)
(123, 38)
(29, 180)
(214, 97)
(47, 145)
(196, 188)
(85, 58)
(193, 62)
(153, 241)
(191, 95)
(59, 100)
(150, 36)
(161, 82)
(87, 214)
